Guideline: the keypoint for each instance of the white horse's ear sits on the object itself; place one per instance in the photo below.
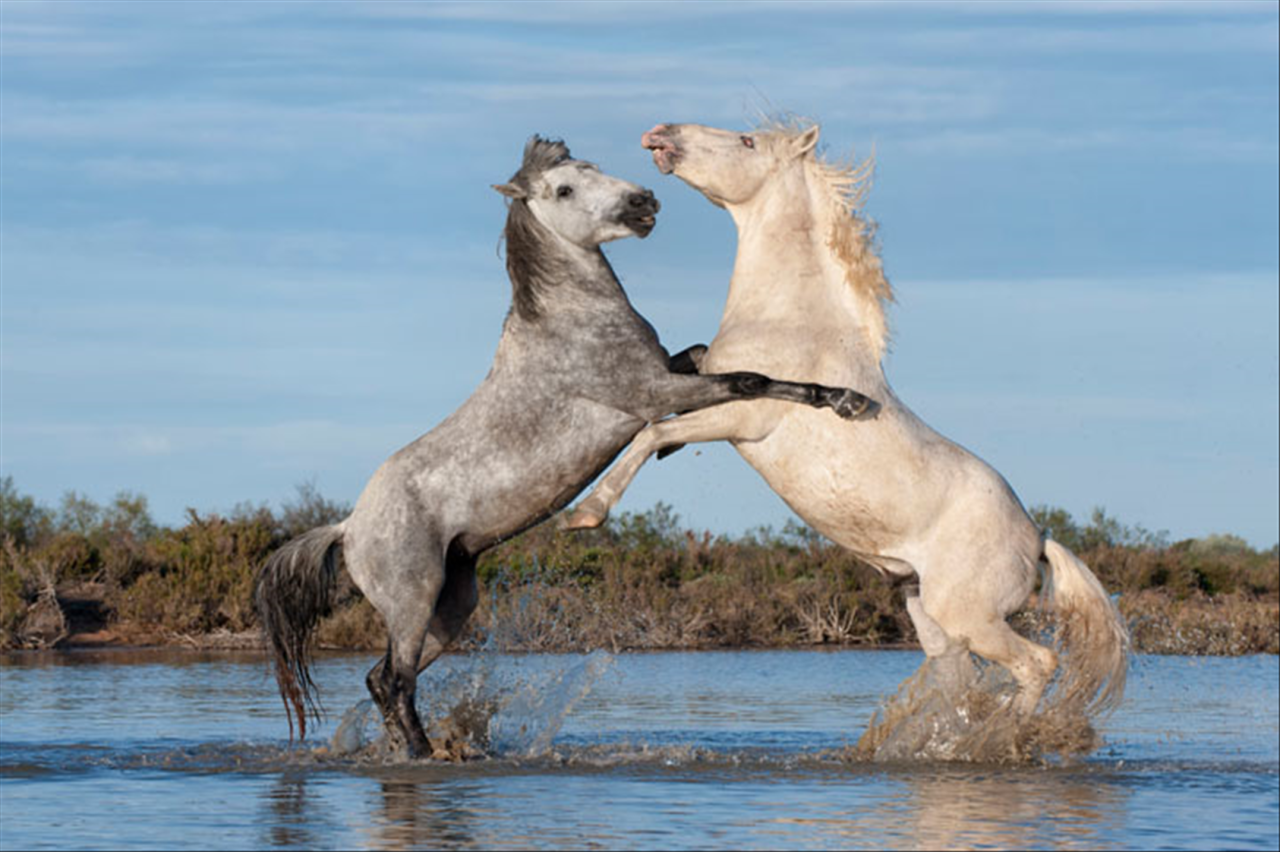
(510, 190)
(805, 142)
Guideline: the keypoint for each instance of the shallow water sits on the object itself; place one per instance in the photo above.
(182, 750)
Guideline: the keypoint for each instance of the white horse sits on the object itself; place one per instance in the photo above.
(807, 301)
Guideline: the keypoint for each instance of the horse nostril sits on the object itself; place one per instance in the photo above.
(641, 199)
(653, 138)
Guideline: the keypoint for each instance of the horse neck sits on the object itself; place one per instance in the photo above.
(786, 270)
(550, 275)
(591, 289)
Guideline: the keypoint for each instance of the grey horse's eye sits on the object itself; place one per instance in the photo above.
(748, 141)
(564, 192)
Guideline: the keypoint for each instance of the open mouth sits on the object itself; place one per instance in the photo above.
(640, 212)
(642, 224)
(665, 152)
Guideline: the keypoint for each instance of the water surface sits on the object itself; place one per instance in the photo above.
(184, 750)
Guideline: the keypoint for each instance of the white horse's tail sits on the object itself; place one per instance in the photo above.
(1091, 635)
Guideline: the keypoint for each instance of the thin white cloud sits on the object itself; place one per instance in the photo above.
(1178, 143)
(1172, 37)
(295, 442)
(162, 170)
(574, 12)
(238, 125)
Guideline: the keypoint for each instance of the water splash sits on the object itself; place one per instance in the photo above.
(481, 709)
(955, 708)
(353, 730)
(535, 710)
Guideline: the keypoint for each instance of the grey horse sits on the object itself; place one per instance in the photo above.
(578, 373)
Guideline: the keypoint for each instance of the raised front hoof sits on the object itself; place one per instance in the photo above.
(851, 405)
(585, 517)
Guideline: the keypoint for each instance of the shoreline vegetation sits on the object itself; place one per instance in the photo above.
(90, 575)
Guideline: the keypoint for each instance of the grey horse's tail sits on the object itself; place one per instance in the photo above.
(292, 592)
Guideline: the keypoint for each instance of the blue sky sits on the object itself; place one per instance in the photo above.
(249, 245)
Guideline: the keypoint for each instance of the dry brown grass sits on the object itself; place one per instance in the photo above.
(641, 582)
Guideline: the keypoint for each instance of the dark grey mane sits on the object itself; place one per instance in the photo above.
(539, 155)
(531, 266)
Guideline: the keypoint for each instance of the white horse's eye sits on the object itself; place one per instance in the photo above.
(564, 192)
(748, 141)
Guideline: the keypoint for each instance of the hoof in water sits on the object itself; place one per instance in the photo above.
(449, 750)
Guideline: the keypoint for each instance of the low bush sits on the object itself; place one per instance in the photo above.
(641, 581)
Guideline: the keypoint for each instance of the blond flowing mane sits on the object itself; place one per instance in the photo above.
(851, 235)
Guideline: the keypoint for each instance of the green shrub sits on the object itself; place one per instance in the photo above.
(640, 581)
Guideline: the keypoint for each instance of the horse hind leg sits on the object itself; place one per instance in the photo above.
(465, 729)
(407, 601)
(949, 656)
(454, 607)
(393, 689)
(393, 684)
(988, 635)
(970, 598)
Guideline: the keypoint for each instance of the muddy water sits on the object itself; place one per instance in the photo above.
(675, 750)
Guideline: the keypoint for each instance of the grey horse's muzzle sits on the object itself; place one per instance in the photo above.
(640, 211)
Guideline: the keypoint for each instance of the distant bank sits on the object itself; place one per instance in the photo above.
(87, 574)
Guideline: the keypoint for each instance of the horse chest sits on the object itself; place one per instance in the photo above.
(802, 353)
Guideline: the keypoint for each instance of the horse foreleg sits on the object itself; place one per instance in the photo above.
(734, 422)
(679, 393)
(688, 361)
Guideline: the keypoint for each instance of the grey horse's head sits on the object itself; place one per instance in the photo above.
(540, 156)
(557, 200)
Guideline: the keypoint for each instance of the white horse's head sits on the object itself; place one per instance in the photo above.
(726, 166)
(575, 200)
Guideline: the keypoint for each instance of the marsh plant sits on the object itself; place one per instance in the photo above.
(641, 581)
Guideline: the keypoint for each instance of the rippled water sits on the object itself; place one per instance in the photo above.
(182, 750)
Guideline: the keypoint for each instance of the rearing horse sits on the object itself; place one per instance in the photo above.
(577, 374)
(807, 298)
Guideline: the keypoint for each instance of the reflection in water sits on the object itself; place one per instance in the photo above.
(946, 807)
(293, 822)
(1020, 811)
(405, 812)
(419, 815)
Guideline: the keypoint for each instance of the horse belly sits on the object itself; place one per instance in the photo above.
(859, 483)
(524, 482)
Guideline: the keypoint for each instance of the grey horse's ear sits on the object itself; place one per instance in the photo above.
(805, 142)
(510, 190)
